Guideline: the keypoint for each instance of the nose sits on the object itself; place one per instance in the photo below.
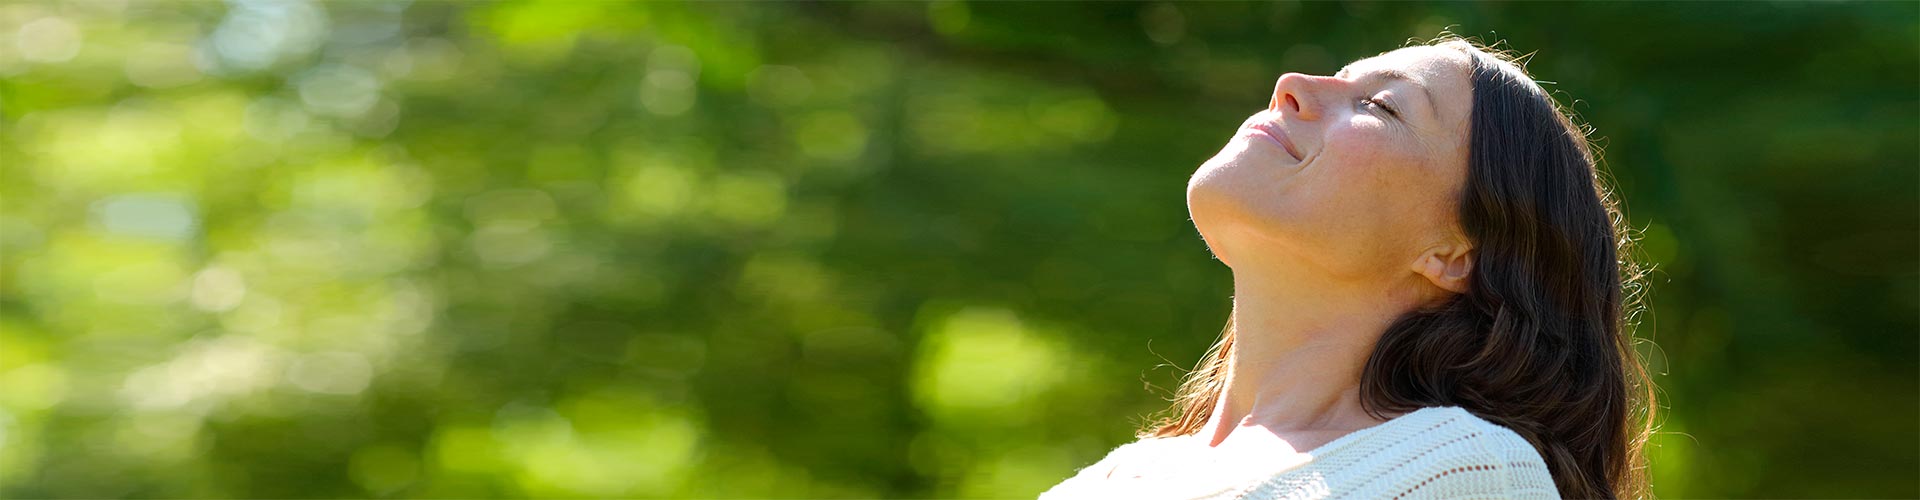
(1293, 95)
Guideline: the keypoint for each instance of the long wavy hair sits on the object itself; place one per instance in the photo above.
(1541, 340)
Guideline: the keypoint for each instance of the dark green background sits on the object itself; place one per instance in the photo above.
(597, 249)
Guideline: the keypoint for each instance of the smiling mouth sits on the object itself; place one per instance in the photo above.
(1278, 137)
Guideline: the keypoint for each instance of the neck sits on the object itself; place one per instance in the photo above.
(1300, 343)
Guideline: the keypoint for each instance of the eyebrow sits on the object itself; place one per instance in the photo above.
(1395, 74)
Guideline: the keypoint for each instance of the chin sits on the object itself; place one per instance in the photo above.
(1236, 198)
(1223, 196)
(1232, 165)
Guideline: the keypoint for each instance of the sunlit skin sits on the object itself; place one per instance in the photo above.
(1329, 247)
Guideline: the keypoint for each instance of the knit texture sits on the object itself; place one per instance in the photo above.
(1434, 452)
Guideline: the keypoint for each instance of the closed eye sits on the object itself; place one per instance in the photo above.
(1382, 105)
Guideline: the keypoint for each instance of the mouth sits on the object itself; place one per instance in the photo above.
(1270, 130)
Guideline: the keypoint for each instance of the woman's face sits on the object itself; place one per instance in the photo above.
(1356, 173)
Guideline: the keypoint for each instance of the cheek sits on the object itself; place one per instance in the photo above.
(1371, 190)
(1361, 166)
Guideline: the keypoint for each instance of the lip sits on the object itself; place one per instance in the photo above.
(1272, 131)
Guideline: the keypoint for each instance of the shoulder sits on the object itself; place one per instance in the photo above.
(1460, 454)
(1127, 453)
(1096, 480)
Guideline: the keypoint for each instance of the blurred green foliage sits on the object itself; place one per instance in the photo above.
(281, 249)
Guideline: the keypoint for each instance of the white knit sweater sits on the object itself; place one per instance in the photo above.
(1437, 452)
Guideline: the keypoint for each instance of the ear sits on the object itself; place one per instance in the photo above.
(1448, 267)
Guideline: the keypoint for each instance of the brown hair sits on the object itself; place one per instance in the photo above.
(1541, 341)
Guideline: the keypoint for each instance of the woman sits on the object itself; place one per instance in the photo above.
(1429, 300)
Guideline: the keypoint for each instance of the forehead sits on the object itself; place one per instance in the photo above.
(1444, 71)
